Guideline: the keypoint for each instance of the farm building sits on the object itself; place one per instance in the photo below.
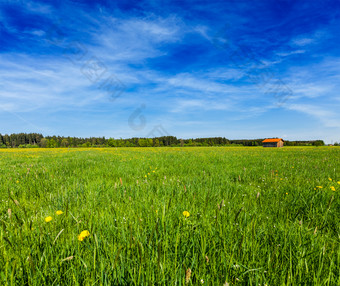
(273, 142)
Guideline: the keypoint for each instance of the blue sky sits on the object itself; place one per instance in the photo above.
(238, 69)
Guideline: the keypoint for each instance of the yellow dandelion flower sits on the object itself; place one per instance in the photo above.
(320, 187)
(330, 179)
(286, 193)
(48, 219)
(59, 212)
(339, 182)
(145, 176)
(332, 188)
(186, 214)
(83, 235)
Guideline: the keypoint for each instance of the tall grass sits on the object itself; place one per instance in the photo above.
(257, 216)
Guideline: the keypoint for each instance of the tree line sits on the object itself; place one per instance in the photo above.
(35, 140)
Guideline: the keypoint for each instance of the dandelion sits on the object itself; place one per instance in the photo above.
(83, 235)
(145, 176)
(59, 212)
(339, 182)
(330, 179)
(332, 188)
(320, 187)
(286, 193)
(186, 214)
(48, 219)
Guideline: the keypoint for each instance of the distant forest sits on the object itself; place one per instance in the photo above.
(35, 140)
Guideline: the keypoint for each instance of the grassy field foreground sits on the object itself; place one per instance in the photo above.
(170, 216)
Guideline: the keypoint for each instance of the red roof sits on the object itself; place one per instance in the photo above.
(272, 140)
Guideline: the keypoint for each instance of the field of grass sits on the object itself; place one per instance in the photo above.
(256, 216)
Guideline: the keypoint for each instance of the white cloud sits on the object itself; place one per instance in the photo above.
(302, 41)
(308, 39)
(135, 40)
(286, 54)
(36, 7)
(328, 117)
(189, 105)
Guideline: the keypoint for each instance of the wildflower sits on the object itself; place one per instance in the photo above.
(339, 182)
(59, 212)
(186, 214)
(48, 219)
(320, 187)
(330, 179)
(83, 235)
(332, 188)
(202, 281)
(286, 193)
(145, 176)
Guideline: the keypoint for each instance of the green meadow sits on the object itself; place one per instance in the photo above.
(170, 216)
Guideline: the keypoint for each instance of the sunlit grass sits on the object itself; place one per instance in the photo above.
(147, 215)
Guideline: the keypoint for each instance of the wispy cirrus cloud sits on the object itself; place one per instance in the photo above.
(326, 116)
